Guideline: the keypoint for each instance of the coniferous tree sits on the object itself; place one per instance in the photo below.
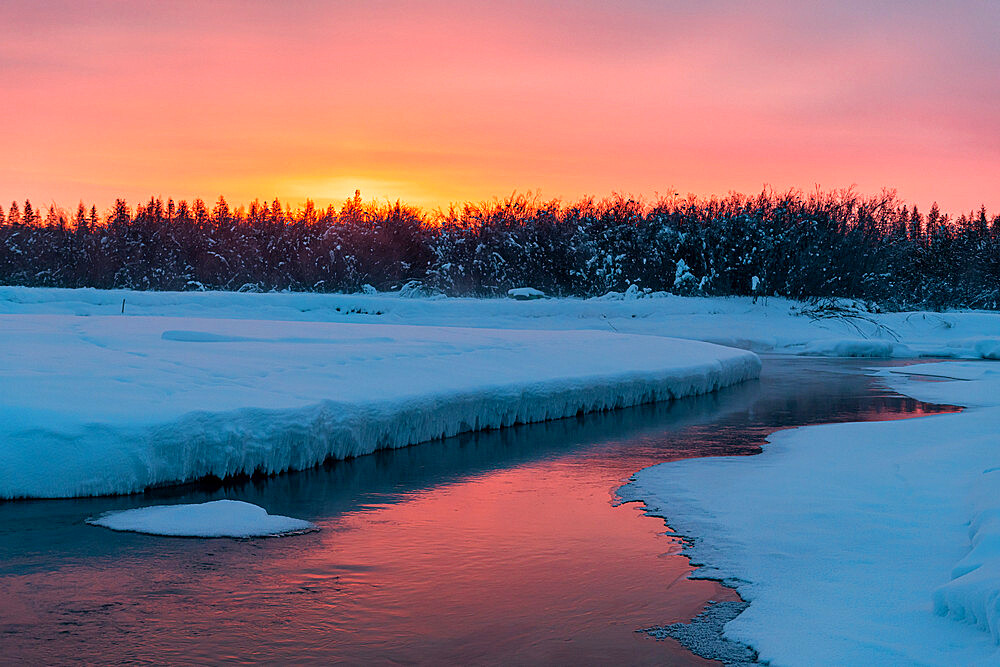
(80, 220)
(14, 215)
(29, 216)
(200, 214)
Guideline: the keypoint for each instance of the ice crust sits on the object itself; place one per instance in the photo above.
(110, 404)
(856, 543)
(218, 518)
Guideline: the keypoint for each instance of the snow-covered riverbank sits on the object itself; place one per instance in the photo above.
(769, 325)
(113, 391)
(111, 404)
(891, 527)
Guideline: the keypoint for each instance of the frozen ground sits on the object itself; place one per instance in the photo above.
(770, 325)
(218, 518)
(866, 543)
(109, 404)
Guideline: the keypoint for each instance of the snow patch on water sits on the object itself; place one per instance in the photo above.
(218, 518)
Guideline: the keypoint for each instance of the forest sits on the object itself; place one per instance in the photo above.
(790, 244)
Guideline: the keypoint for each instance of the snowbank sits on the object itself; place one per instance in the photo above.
(111, 404)
(856, 347)
(857, 543)
(769, 325)
(218, 518)
(988, 348)
(525, 293)
(973, 594)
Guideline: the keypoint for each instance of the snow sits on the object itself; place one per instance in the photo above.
(770, 325)
(855, 347)
(218, 518)
(973, 594)
(525, 293)
(866, 543)
(861, 543)
(988, 348)
(108, 404)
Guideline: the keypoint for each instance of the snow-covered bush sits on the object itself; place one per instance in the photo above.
(685, 282)
(413, 289)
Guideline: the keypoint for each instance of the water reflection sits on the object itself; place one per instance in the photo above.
(488, 547)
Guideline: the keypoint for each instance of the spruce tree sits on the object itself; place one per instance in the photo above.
(80, 221)
(29, 217)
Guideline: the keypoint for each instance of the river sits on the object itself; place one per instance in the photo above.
(494, 547)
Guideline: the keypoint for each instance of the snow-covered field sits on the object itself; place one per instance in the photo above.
(868, 543)
(110, 404)
(770, 325)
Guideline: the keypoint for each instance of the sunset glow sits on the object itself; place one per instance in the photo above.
(451, 101)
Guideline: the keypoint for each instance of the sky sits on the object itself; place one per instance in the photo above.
(438, 102)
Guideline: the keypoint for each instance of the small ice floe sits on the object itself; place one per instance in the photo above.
(218, 518)
(525, 293)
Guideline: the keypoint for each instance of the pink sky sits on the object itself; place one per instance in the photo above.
(446, 101)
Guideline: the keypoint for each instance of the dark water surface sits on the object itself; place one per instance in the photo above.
(498, 547)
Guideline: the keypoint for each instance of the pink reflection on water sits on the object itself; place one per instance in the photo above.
(533, 558)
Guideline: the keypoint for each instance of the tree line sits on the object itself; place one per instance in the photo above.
(792, 244)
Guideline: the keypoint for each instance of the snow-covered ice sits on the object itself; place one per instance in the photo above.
(857, 543)
(111, 404)
(218, 518)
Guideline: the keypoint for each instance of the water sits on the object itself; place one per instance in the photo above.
(499, 547)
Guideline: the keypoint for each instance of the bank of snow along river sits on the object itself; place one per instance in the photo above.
(859, 543)
(109, 404)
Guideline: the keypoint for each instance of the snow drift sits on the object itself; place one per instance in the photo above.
(110, 404)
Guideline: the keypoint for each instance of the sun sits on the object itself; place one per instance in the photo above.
(336, 189)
